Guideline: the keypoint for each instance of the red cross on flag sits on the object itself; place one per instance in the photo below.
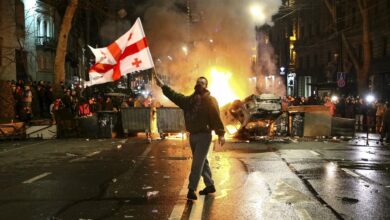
(128, 54)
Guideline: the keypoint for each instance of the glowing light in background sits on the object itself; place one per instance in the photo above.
(257, 12)
(222, 87)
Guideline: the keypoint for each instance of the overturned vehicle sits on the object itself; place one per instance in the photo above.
(255, 116)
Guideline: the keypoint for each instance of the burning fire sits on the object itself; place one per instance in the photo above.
(223, 88)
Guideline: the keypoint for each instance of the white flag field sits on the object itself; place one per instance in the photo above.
(130, 53)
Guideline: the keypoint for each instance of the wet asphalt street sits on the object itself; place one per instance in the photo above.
(133, 179)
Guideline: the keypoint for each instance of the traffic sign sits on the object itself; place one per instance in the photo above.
(341, 83)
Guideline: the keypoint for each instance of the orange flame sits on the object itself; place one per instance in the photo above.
(223, 88)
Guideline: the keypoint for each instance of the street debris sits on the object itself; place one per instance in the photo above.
(129, 216)
(154, 211)
(87, 139)
(151, 194)
(166, 177)
(364, 159)
(147, 187)
(114, 180)
(349, 200)
(71, 155)
(119, 146)
(155, 172)
(116, 192)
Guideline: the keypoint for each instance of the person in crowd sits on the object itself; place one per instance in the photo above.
(107, 105)
(67, 100)
(201, 113)
(386, 124)
(349, 108)
(124, 103)
(138, 103)
(359, 114)
(340, 107)
(148, 101)
(54, 107)
(131, 102)
(93, 106)
(380, 111)
(84, 108)
(41, 93)
(330, 105)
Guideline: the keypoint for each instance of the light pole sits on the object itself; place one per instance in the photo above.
(369, 99)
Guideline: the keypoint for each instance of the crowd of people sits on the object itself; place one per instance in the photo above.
(372, 116)
(35, 100)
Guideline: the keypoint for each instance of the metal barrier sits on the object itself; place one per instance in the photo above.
(136, 120)
(170, 120)
(343, 127)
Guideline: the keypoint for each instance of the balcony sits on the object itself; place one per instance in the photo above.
(45, 42)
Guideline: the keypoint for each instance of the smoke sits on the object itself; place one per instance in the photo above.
(220, 34)
(187, 43)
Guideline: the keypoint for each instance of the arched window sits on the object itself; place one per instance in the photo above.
(44, 29)
(39, 27)
(48, 33)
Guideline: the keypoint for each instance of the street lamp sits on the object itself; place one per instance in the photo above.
(257, 12)
(334, 98)
(370, 98)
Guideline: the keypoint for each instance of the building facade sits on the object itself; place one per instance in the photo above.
(307, 37)
(28, 30)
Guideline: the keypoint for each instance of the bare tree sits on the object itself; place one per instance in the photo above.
(59, 63)
(363, 67)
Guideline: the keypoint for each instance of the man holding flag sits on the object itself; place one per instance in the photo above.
(201, 114)
(131, 53)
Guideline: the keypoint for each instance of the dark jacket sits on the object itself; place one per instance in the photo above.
(202, 118)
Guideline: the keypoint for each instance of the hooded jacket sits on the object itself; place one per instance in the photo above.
(201, 112)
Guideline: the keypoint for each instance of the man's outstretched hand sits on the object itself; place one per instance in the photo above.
(159, 82)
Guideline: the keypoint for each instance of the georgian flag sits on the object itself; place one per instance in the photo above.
(128, 54)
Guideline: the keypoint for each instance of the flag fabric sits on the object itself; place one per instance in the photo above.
(128, 54)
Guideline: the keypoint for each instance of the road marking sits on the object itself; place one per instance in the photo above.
(93, 153)
(85, 157)
(197, 207)
(303, 214)
(77, 159)
(350, 172)
(29, 145)
(314, 153)
(37, 177)
(178, 210)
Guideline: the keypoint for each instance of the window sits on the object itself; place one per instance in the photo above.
(38, 27)
(44, 29)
